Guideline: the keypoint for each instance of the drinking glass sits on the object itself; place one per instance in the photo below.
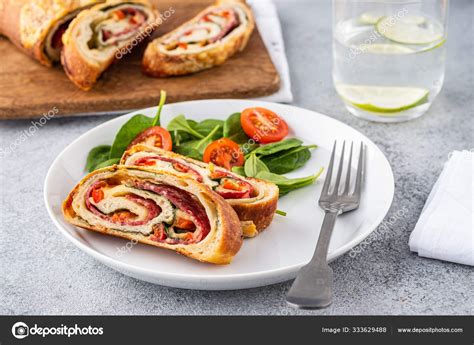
(389, 56)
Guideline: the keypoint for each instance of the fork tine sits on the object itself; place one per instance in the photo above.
(339, 169)
(327, 181)
(360, 170)
(348, 176)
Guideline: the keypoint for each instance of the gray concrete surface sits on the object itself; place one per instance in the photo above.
(42, 273)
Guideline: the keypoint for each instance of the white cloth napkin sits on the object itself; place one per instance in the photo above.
(445, 229)
(268, 24)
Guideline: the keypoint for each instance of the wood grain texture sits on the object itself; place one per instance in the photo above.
(28, 89)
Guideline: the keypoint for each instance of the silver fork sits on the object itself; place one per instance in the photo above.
(313, 285)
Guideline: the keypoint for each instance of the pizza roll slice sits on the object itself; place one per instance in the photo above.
(97, 36)
(156, 208)
(207, 40)
(37, 26)
(254, 200)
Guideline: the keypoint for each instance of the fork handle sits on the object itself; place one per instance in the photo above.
(313, 285)
(320, 253)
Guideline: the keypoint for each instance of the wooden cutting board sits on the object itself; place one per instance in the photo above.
(28, 89)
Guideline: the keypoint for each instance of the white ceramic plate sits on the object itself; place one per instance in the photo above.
(272, 257)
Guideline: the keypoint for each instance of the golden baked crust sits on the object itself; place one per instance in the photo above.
(27, 23)
(219, 246)
(157, 63)
(259, 211)
(82, 70)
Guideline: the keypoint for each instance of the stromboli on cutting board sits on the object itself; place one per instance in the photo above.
(95, 36)
(156, 208)
(254, 200)
(36, 26)
(207, 40)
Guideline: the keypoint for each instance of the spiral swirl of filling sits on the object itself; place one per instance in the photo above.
(166, 213)
(208, 29)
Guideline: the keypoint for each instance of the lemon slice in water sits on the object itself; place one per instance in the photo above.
(382, 99)
(405, 31)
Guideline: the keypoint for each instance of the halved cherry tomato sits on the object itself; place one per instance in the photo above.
(224, 153)
(263, 125)
(155, 137)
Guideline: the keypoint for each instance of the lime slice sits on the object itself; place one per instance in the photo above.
(369, 18)
(382, 99)
(416, 20)
(400, 31)
(382, 48)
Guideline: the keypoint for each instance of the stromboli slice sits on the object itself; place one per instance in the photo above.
(96, 35)
(156, 208)
(253, 200)
(37, 26)
(207, 40)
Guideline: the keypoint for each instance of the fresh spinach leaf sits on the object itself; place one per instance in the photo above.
(188, 151)
(239, 170)
(108, 163)
(206, 126)
(254, 166)
(203, 143)
(128, 132)
(96, 156)
(192, 123)
(246, 148)
(179, 123)
(195, 148)
(287, 185)
(233, 130)
(232, 125)
(281, 213)
(241, 138)
(286, 161)
(273, 148)
(175, 138)
(156, 119)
